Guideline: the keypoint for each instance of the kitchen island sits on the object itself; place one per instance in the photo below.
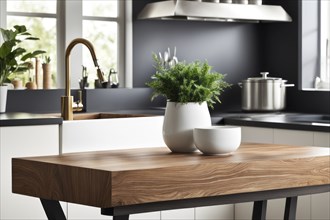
(124, 182)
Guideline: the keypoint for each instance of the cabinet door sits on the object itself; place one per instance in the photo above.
(293, 137)
(220, 212)
(257, 135)
(24, 141)
(321, 202)
(178, 214)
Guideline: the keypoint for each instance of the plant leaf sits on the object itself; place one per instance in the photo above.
(31, 38)
(20, 28)
(32, 55)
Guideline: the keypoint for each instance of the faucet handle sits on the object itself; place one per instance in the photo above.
(100, 75)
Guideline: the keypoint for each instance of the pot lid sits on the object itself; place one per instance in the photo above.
(264, 78)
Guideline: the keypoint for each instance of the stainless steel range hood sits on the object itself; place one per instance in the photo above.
(208, 11)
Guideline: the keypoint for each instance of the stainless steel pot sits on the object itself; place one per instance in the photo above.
(264, 93)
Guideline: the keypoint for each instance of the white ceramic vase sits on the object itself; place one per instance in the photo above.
(3, 98)
(180, 120)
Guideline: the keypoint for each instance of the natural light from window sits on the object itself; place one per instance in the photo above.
(100, 24)
(100, 27)
(323, 82)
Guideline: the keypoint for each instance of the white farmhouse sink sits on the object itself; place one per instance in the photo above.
(107, 131)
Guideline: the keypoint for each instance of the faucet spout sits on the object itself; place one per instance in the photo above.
(67, 100)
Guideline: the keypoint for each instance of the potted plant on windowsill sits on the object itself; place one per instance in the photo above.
(190, 88)
(13, 58)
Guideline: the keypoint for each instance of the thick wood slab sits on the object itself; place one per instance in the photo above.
(115, 178)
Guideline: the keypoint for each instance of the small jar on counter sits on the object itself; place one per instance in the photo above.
(113, 79)
(255, 2)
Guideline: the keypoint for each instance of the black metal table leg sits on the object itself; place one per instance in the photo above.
(53, 209)
(290, 208)
(122, 217)
(259, 210)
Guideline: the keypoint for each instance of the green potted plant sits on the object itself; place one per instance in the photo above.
(13, 58)
(189, 88)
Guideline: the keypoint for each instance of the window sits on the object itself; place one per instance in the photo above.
(57, 22)
(324, 41)
(40, 19)
(100, 26)
(314, 52)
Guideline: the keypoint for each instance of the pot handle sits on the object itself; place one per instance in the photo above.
(240, 84)
(287, 85)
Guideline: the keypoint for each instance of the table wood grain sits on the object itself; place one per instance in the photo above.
(127, 177)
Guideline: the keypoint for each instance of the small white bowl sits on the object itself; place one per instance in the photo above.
(217, 139)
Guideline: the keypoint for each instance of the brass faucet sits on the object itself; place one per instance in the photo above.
(67, 100)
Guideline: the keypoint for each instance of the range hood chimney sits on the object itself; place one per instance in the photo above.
(209, 11)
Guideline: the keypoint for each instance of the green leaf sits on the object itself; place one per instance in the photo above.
(32, 55)
(20, 28)
(6, 48)
(26, 34)
(12, 57)
(31, 38)
(8, 35)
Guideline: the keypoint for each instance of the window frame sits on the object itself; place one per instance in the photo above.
(67, 16)
(310, 47)
(324, 35)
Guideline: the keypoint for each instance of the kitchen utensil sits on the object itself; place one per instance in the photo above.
(167, 60)
(217, 139)
(165, 57)
(161, 58)
(174, 59)
(264, 93)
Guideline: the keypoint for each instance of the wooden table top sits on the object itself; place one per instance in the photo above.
(126, 177)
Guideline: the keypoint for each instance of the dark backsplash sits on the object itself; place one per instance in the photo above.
(231, 48)
(239, 50)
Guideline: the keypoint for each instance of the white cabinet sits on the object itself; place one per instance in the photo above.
(110, 134)
(178, 214)
(315, 207)
(257, 135)
(220, 212)
(293, 137)
(24, 141)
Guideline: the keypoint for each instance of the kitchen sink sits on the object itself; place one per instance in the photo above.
(107, 131)
(293, 121)
(89, 116)
(311, 119)
(317, 119)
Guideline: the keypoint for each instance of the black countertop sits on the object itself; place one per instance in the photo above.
(25, 119)
(292, 121)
